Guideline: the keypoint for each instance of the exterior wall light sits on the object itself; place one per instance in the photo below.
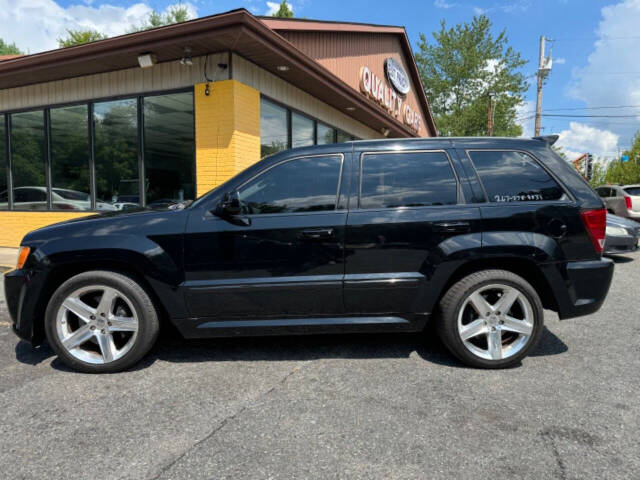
(146, 60)
(186, 57)
(350, 109)
(283, 68)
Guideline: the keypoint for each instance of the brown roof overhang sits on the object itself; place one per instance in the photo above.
(303, 25)
(236, 31)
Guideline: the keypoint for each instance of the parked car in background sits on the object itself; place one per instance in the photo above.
(477, 235)
(622, 235)
(35, 198)
(621, 200)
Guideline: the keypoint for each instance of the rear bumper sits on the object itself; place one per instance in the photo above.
(586, 285)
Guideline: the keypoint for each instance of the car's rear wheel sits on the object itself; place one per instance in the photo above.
(101, 321)
(491, 319)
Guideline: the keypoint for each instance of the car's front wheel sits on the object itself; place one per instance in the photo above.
(491, 319)
(101, 321)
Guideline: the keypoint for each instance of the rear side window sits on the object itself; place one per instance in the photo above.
(633, 191)
(407, 180)
(510, 176)
(604, 192)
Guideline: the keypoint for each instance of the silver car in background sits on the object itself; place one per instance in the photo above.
(622, 235)
(621, 200)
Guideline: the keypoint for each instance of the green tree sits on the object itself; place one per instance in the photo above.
(80, 37)
(176, 14)
(9, 48)
(284, 11)
(618, 172)
(461, 68)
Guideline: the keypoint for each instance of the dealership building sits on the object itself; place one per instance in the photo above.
(165, 115)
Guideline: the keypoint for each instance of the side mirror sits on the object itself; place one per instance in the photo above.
(231, 206)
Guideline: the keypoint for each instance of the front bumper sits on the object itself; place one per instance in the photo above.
(586, 284)
(22, 290)
(620, 244)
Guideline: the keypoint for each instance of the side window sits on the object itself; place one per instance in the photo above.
(303, 185)
(407, 180)
(510, 176)
(604, 192)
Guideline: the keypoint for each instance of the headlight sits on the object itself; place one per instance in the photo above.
(616, 231)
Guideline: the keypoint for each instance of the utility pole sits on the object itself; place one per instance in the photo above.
(490, 118)
(544, 67)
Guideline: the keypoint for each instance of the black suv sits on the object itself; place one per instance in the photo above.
(477, 234)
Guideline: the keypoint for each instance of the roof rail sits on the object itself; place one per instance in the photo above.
(548, 139)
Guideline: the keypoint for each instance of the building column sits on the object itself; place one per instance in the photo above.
(227, 131)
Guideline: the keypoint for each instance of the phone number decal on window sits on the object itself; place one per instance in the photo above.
(518, 198)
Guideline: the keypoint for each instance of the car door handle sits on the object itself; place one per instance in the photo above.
(317, 233)
(451, 227)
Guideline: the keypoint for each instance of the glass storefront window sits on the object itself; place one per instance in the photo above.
(301, 131)
(326, 134)
(69, 137)
(344, 137)
(4, 187)
(273, 128)
(28, 161)
(116, 153)
(169, 149)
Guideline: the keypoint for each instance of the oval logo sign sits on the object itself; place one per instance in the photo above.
(397, 76)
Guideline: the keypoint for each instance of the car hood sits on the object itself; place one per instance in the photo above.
(616, 221)
(113, 224)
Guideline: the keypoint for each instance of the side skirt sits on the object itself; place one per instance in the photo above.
(210, 327)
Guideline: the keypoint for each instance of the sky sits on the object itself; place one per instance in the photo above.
(594, 83)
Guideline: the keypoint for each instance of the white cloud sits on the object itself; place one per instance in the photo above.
(524, 112)
(479, 11)
(560, 61)
(596, 83)
(580, 138)
(273, 7)
(35, 25)
(444, 4)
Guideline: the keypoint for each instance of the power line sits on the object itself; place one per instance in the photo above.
(588, 116)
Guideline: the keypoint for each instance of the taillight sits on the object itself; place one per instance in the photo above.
(595, 221)
(627, 201)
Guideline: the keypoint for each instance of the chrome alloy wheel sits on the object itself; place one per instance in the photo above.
(97, 324)
(495, 322)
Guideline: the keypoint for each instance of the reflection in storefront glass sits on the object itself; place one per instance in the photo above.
(69, 139)
(4, 193)
(169, 145)
(116, 153)
(28, 164)
(301, 131)
(344, 137)
(273, 128)
(326, 134)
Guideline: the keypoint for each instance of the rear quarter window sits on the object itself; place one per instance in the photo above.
(633, 191)
(511, 176)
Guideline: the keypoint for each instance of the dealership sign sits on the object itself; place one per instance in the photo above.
(390, 92)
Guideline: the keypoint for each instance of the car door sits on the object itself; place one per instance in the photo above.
(282, 257)
(406, 217)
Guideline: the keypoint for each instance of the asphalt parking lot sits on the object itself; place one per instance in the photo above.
(378, 406)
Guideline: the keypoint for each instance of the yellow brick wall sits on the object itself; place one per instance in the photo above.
(227, 132)
(227, 142)
(15, 225)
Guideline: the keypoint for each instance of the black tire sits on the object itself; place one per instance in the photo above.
(148, 322)
(453, 301)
